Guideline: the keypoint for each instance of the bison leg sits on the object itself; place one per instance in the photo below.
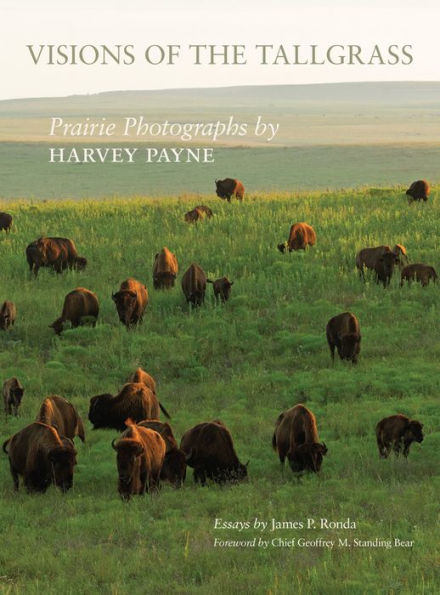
(14, 474)
(199, 475)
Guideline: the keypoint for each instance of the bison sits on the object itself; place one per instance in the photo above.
(301, 235)
(174, 465)
(194, 285)
(418, 190)
(57, 254)
(5, 222)
(209, 449)
(8, 313)
(12, 395)
(131, 301)
(222, 288)
(397, 432)
(296, 436)
(343, 332)
(79, 305)
(62, 415)
(141, 376)
(400, 252)
(229, 187)
(165, 269)
(422, 273)
(41, 456)
(140, 455)
(384, 267)
(135, 401)
(196, 214)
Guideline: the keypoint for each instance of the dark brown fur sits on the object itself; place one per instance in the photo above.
(194, 285)
(301, 235)
(8, 313)
(165, 269)
(229, 187)
(78, 304)
(131, 301)
(196, 214)
(62, 415)
(12, 395)
(5, 222)
(418, 190)
(422, 273)
(222, 288)
(174, 465)
(296, 437)
(343, 332)
(384, 267)
(57, 254)
(397, 432)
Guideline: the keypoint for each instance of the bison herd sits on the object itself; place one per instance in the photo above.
(147, 452)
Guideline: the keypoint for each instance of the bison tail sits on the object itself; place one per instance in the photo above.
(5, 443)
(164, 411)
(274, 441)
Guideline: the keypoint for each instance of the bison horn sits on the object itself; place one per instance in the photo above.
(113, 443)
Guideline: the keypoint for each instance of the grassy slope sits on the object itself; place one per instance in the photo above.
(245, 362)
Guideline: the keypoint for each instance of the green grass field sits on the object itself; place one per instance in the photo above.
(244, 362)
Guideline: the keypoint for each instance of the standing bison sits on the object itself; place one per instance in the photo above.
(5, 222)
(296, 437)
(222, 288)
(8, 313)
(165, 269)
(210, 451)
(79, 304)
(57, 254)
(422, 273)
(131, 301)
(384, 267)
(12, 394)
(301, 235)
(174, 465)
(397, 432)
(194, 285)
(418, 190)
(380, 260)
(41, 456)
(62, 415)
(343, 332)
(229, 187)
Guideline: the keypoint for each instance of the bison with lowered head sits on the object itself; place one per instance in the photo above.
(140, 455)
(165, 269)
(418, 190)
(194, 285)
(384, 267)
(12, 395)
(41, 456)
(141, 376)
(422, 273)
(296, 437)
(301, 235)
(209, 449)
(62, 415)
(222, 288)
(57, 254)
(79, 304)
(8, 313)
(5, 222)
(174, 465)
(131, 301)
(229, 187)
(135, 401)
(343, 332)
(397, 432)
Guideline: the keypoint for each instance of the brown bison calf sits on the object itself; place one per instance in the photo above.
(422, 273)
(131, 301)
(222, 288)
(198, 213)
(135, 401)
(174, 465)
(62, 415)
(140, 456)
(42, 457)
(418, 190)
(5, 222)
(296, 436)
(229, 187)
(141, 376)
(397, 432)
(165, 269)
(301, 235)
(12, 395)
(8, 313)
(79, 304)
(194, 285)
(343, 332)
(209, 449)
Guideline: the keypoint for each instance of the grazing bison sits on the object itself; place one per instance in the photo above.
(41, 456)
(422, 273)
(174, 465)
(194, 285)
(418, 190)
(140, 455)
(397, 432)
(12, 395)
(229, 187)
(131, 301)
(384, 267)
(197, 214)
(141, 376)
(79, 304)
(343, 332)
(368, 257)
(301, 235)
(62, 415)
(135, 401)
(296, 436)
(165, 269)
(5, 222)
(222, 288)
(210, 451)
(57, 254)
(8, 313)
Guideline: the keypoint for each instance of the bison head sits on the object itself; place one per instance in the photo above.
(63, 460)
(350, 347)
(128, 456)
(99, 411)
(225, 289)
(307, 457)
(80, 263)
(125, 301)
(414, 431)
(18, 395)
(57, 326)
(282, 247)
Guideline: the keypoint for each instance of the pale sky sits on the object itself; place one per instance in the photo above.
(143, 23)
